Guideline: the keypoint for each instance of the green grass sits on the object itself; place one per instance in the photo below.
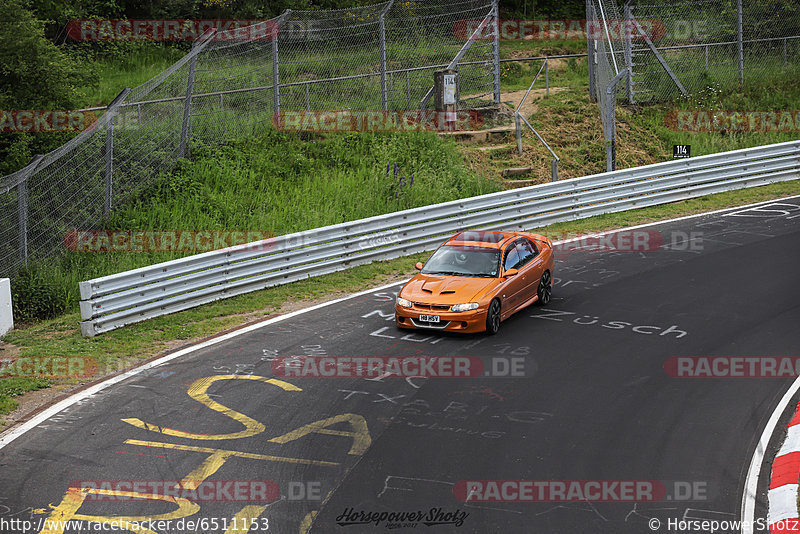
(137, 66)
(279, 184)
(16, 386)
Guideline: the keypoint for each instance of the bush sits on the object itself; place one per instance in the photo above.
(36, 296)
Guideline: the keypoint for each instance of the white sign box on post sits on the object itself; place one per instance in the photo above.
(449, 89)
(6, 314)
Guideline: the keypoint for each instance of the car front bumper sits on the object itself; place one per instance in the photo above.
(467, 322)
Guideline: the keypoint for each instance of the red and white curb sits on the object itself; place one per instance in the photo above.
(783, 484)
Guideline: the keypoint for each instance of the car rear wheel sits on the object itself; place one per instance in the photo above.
(545, 289)
(493, 318)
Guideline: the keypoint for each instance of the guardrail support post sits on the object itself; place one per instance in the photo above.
(496, 50)
(519, 132)
(554, 169)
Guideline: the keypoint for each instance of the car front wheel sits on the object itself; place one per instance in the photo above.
(545, 289)
(493, 318)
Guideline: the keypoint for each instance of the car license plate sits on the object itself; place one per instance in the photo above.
(429, 318)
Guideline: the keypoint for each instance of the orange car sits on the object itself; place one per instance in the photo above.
(475, 280)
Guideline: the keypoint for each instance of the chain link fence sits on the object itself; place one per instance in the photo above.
(712, 43)
(372, 58)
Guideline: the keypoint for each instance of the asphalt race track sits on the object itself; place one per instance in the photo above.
(593, 402)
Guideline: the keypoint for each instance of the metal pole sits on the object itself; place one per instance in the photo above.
(221, 105)
(22, 207)
(276, 90)
(496, 50)
(408, 90)
(384, 95)
(554, 169)
(109, 154)
(706, 57)
(546, 77)
(739, 39)
(111, 111)
(610, 122)
(183, 151)
(590, 53)
(308, 99)
(785, 55)
(628, 51)
(382, 39)
(519, 132)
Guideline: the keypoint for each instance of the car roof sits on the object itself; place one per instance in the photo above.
(482, 238)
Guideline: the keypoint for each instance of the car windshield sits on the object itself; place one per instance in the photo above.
(456, 260)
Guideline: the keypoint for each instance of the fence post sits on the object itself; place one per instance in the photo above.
(628, 51)
(785, 55)
(739, 40)
(496, 50)
(610, 122)
(276, 90)
(382, 35)
(546, 77)
(519, 132)
(22, 207)
(183, 151)
(590, 53)
(111, 111)
(706, 57)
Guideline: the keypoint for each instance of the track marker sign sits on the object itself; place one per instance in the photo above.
(681, 151)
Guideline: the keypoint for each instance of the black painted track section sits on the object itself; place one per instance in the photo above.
(596, 404)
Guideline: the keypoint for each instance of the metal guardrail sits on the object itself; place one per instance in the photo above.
(129, 297)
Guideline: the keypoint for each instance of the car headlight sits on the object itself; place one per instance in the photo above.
(464, 307)
(403, 303)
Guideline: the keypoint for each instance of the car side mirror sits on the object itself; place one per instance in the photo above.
(418, 266)
(511, 272)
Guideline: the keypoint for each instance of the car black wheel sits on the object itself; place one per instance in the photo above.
(545, 289)
(493, 318)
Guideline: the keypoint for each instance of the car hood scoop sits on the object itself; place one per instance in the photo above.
(443, 287)
(440, 289)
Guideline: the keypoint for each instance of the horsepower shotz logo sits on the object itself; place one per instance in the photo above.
(432, 517)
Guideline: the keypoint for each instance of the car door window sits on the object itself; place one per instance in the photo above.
(525, 250)
(512, 258)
